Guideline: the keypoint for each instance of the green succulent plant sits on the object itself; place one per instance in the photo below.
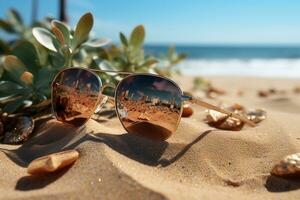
(24, 80)
(29, 63)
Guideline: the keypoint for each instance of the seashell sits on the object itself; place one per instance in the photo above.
(262, 93)
(288, 167)
(187, 111)
(212, 89)
(18, 129)
(272, 91)
(240, 93)
(297, 90)
(222, 121)
(257, 115)
(215, 116)
(236, 107)
(231, 124)
(52, 162)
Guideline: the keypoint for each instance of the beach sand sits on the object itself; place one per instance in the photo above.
(197, 162)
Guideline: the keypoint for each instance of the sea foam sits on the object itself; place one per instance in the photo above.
(280, 67)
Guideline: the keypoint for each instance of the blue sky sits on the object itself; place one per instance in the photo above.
(183, 21)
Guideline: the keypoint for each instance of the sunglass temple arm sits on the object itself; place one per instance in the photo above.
(212, 107)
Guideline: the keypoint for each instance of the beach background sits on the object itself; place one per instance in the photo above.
(231, 38)
(237, 60)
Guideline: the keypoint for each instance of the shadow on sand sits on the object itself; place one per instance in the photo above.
(38, 182)
(277, 184)
(54, 137)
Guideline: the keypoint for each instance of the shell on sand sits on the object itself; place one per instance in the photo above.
(222, 121)
(53, 162)
(225, 122)
(18, 129)
(187, 111)
(288, 167)
(215, 116)
(257, 115)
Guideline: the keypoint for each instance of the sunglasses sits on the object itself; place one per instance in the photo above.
(146, 104)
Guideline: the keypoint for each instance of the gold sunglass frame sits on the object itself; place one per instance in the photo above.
(184, 98)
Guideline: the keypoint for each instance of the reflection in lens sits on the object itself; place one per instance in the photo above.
(149, 106)
(75, 94)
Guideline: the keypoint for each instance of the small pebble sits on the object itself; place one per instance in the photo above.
(297, 90)
(237, 107)
(257, 115)
(52, 162)
(288, 167)
(240, 93)
(262, 93)
(272, 90)
(187, 111)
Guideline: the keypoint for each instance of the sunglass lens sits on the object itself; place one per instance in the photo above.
(149, 106)
(75, 94)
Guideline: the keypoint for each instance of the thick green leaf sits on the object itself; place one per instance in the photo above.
(6, 26)
(56, 60)
(67, 53)
(27, 53)
(8, 88)
(96, 43)
(14, 67)
(45, 38)
(38, 98)
(105, 65)
(123, 39)
(150, 62)
(1, 69)
(137, 37)
(14, 17)
(83, 28)
(4, 47)
(136, 56)
(59, 35)
(11, 107)
(44, 78)
(64, 29)
(42, 53)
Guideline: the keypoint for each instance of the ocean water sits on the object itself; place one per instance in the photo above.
(264, 61)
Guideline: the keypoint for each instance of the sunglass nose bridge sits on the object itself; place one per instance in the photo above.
(107, 85)
(110, 98)
(105, 98)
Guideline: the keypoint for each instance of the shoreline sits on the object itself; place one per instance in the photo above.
(254, 67)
